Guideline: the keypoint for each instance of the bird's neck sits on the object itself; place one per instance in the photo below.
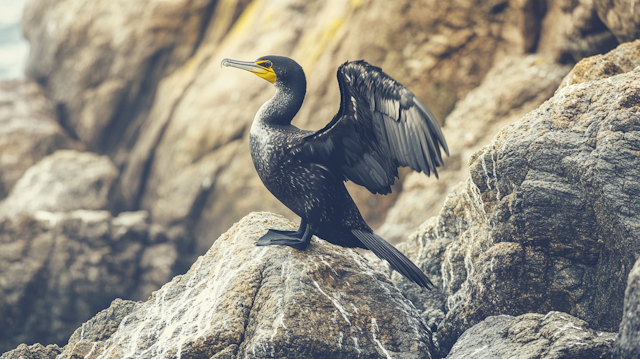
(283, 106)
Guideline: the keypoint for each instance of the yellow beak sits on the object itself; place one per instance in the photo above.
(265, 73)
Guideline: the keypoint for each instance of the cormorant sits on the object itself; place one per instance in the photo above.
(380, 126)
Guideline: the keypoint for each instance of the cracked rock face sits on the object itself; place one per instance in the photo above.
(628, 342)
(265, 302)
(63, 257)
(547, 220)
(58, 269)
(555, 335)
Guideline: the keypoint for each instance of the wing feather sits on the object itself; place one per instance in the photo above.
(380, 126)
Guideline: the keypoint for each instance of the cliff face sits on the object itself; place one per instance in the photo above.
(138, 84)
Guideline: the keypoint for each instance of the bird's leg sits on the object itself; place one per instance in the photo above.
(296, 240)
(297, 234)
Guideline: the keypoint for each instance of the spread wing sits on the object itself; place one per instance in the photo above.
(380, 126)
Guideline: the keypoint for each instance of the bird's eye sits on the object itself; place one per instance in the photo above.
(266, 64)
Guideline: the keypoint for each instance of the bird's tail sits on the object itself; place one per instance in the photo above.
(396, 259)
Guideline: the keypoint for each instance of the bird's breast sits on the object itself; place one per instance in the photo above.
(299, 184)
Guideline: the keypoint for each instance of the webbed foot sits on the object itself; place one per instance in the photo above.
(284, 238)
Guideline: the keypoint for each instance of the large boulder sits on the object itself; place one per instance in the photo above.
(63, 181)
(555, 335)
(628, 342)
(547, 219)
(29, 130)
(256, 302)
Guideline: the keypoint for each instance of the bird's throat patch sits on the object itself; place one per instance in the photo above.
(266, 74)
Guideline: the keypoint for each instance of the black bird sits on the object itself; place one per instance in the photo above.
(380, 126)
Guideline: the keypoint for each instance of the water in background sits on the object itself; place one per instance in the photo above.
(13, 47)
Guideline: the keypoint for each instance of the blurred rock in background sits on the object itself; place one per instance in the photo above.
(139, 85)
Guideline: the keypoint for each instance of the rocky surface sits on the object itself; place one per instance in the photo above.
(628, 341)
(63, 257)
(35, 351)
(61, 182)
(140, 83)
(29, 130)
(555, 335)
(571, 30)
(625, 58)
(547, 219)
(253, 302)
(621, 17)
(102, 64)
(58, 269)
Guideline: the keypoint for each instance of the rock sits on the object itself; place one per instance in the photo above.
(628, 343)
(572, 30)
(547, 220)
(623, 59)
(555, 335)
(35, 351)
(621, 18)
(59, 269)
(513, 87)
(249, 301)
(64, 181)
(29, 130)
(101, 66)
(104, 324)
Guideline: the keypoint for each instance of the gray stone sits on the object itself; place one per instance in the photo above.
(240, 300)
(59, 269)
(555, 335)
(547, 220)
(35, 351)
(628, 343)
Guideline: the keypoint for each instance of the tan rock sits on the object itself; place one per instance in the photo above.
(63, 181)
(621, 17)
(571, 30)
(100, 61)
(625, 58)
(29, 130)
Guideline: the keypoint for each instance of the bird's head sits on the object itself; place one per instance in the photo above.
(279, 70)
